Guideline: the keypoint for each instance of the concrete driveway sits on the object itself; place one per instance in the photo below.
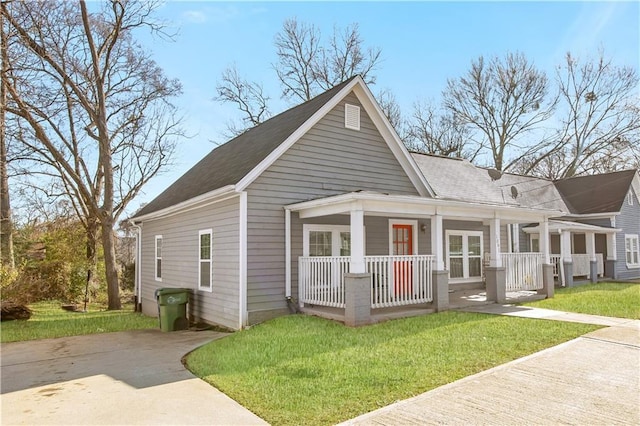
(114, 378)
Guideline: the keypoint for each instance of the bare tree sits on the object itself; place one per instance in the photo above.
(6, 222)
(502, 100)
(599, 120)
(306, 66)
(434, 132)
(391, 109)
(91, 106)
(345, 57)
(248, 96)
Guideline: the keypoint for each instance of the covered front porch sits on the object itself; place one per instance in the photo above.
(579, 251)
(351, 285)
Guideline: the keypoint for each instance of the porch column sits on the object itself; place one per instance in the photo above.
(547, 268)
(437, 246)
(611, 256)
(495, 261)
(567, 260)
(515, 232)
(439, 276)
(590, 239)
(543, 239)
(357, 265)
(495, 273)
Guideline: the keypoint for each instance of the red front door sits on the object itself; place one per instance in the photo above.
(402, 271)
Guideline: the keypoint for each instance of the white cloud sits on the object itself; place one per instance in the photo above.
(194, 16)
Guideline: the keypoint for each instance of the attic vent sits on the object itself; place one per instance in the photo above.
(352, 117)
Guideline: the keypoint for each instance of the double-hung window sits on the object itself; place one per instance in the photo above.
(158, 258)
(632, 250)
(464, 255)
(205, 260)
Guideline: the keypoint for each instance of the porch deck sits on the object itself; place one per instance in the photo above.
(457, 300)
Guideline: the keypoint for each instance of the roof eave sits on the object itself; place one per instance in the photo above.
(192, 203)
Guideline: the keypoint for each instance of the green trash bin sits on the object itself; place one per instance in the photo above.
(172, 308)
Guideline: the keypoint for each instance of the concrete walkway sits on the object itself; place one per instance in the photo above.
(112, 379)
(594, 380)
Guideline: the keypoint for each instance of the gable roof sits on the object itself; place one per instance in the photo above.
(234, 165)
(458, 179)
(227, 164)
(533, 192)
(593, 194)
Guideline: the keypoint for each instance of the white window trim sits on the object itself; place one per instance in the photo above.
(465, 254)
(200, 261)
(335, 236)
(414, 232)
(632, 237)
(156, 257)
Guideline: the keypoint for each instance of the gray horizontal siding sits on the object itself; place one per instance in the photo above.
(629, 223)
(328, 160)
(180, 261)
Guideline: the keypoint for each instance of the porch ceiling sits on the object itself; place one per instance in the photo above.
(557, 226)
(378, 204)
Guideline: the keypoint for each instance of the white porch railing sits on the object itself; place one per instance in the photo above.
(523, 270)
(581, 265)
(321, 280)
(395, 280)
(400, 280)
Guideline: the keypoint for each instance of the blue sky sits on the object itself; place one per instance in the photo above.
(423, 44)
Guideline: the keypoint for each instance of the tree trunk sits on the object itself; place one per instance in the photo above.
(111, 270)
(6, 224)
(93, 229)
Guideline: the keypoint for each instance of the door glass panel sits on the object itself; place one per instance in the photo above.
(474, 245)
(455, 267)
(320, 243)
(535, 245)
(345, 244)
(455, 245)
(474, 267)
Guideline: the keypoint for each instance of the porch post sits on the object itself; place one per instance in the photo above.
(543, 239)
(590, 239)
(495, 260)
(547, 268)
(439, 276)
(437, 246)
(567, 260)
(495, 273)
(515, 232)
(357, 265)
(287, 254)
(611, 256)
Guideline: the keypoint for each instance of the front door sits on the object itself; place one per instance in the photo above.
(402, 246)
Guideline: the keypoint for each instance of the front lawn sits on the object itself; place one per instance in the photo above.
(50, 320)
(305, 370)
(621, 300)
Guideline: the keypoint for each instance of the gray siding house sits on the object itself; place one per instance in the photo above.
(601, 221)
(322, 209)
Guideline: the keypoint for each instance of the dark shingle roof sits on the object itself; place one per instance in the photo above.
(596, 193)
(229, 163)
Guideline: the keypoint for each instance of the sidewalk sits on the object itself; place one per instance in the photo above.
(594, 379)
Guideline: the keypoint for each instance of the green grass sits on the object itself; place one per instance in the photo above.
(306, 370)
(50, 320)
(621, 300)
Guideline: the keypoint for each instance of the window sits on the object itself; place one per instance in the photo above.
(632, 250)
(326, 240)
(464, 255)
(205, 264)
(158, 257)
(352, 117)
